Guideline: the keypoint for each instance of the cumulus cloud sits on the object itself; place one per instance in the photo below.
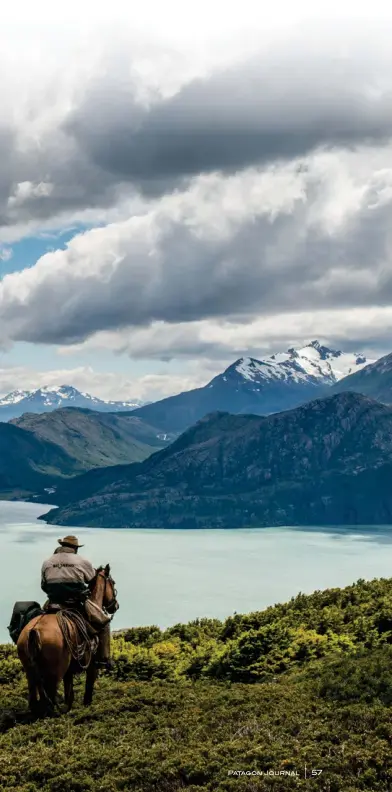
(313, 233)
(25, 191)
(93, 127)
(360, 330)
(280, 104)
(243, 192)
(105, 385)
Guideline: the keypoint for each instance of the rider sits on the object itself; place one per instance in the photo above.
(65, 579)
(65, 576)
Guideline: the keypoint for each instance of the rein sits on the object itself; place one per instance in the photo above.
(113, 605)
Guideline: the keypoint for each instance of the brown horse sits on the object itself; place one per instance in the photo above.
(45, 655)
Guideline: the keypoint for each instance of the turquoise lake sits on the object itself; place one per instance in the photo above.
(168, 576)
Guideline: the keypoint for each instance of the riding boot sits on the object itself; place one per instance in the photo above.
(102, 656)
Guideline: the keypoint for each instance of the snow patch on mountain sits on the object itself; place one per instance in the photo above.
(14, 397)
(50, 398)
(311, 363)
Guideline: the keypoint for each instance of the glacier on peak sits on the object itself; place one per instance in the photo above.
(52, 397)
(311, 363)
(14, 397)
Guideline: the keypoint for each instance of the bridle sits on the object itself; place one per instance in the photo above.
(113, 605)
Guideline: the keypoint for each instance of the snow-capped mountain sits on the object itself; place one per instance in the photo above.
(374, 380)
(48, 398)
(262, 387)
(313, 363)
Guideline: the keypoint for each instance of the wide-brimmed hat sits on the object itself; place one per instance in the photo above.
(72, 541)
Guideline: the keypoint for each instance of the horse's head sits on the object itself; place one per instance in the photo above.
(109, 601)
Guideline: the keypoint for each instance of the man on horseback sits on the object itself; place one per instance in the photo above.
(71, 633)
(66, 578)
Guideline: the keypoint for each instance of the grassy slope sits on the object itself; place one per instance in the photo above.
(92, 438)
(306, 682)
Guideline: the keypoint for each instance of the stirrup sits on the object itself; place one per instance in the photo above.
(107, 664)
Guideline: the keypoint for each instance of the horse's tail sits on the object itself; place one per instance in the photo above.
(34, 647)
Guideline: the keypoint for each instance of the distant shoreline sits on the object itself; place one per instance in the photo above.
(330, 529)
(366, 530)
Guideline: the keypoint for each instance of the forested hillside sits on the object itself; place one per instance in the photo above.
(94, 439)
(28, 464)
(327, 462)
(303, 684)
(37, 451)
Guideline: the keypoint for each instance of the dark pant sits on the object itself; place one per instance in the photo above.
(65, 593)
(103, 652)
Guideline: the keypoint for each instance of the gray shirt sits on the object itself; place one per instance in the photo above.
(65, 566)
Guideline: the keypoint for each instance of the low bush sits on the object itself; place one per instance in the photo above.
(302, 686)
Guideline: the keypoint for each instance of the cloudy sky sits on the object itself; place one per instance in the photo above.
(181, 187)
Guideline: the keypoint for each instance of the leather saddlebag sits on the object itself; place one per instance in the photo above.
(95, 615)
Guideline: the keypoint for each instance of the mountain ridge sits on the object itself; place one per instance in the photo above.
(279, 382)
(329, 461)
(47, 398)
(29, 463)
(38, 450)
(92, 438)
(373, 380)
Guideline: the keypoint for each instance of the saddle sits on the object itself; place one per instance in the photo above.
(95, 618)
(82, 641)
(80, 624)
(73, 612)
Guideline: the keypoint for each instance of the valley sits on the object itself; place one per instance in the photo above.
(39, 450)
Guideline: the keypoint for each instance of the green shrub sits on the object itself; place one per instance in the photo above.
(178, 711)
(365, 676)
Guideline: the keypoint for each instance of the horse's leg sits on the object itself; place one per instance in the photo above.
(48, 694)
(91, 675)
(68, 689)
(33, 694)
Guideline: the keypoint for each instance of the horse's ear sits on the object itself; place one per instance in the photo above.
(107, 570)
